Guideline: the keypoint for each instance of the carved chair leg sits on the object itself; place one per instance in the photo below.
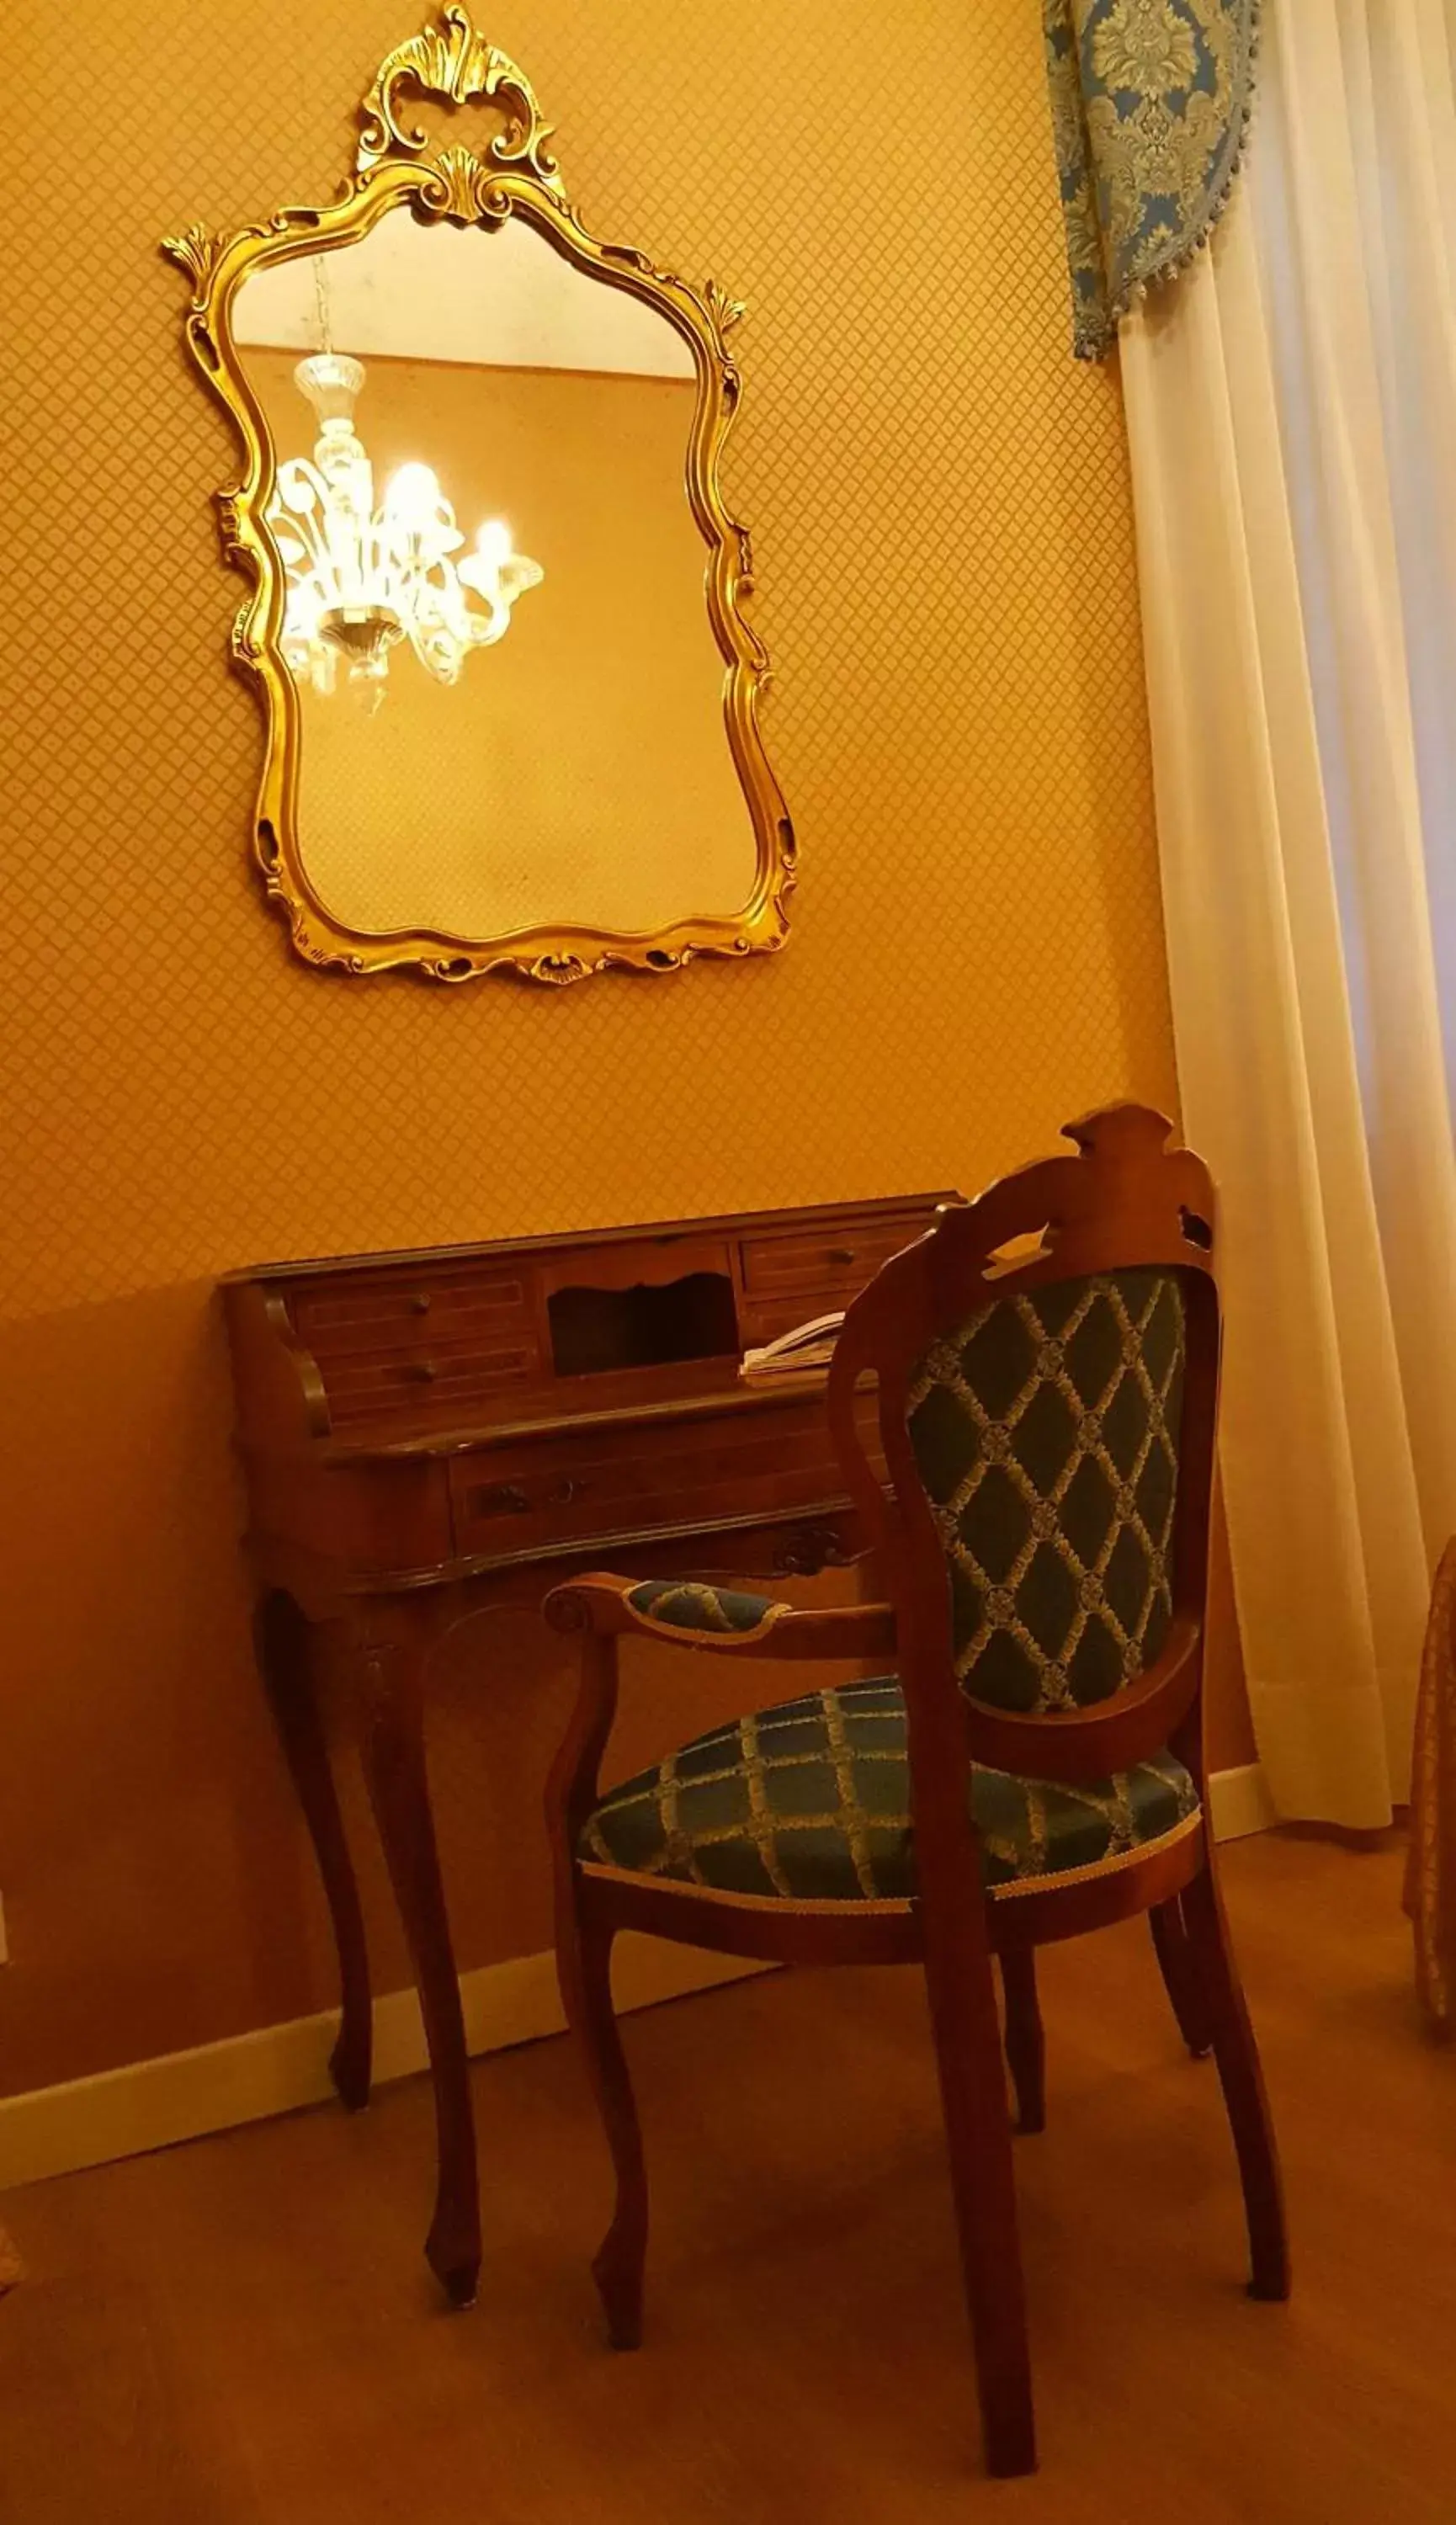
(1026, 2042)
(977, 2139)
(1238, 2057)
(584, 1962)
(1180, 1976)
(583, 1967)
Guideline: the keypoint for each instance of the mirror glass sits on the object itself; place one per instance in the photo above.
(511, 697)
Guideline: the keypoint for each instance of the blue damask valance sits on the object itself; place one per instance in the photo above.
(1150, 103)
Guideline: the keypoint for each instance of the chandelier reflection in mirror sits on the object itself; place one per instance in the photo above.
(360, 578)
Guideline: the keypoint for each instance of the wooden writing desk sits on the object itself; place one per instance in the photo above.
(424, 1433)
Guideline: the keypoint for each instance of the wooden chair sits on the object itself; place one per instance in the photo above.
(1032, 1767)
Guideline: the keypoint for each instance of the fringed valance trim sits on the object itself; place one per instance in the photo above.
(1151, 104)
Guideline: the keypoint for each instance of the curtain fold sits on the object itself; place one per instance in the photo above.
(1291, 413)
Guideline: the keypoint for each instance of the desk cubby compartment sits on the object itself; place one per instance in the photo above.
(653, 1305)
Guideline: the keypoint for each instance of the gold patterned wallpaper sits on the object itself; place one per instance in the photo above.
(941, 519)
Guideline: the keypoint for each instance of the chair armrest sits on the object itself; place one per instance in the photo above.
(721, 1619)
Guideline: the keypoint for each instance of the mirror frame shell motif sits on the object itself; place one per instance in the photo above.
(514, 176)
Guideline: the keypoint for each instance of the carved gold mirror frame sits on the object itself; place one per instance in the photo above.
(513, 178)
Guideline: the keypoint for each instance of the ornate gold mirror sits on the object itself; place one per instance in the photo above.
(498, 621)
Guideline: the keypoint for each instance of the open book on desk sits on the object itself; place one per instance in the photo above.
(805, 1352)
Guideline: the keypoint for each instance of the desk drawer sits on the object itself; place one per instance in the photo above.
(444, 1379)
(433, 1342)
(573, 1487)
(831, 1266)
(411, 1311)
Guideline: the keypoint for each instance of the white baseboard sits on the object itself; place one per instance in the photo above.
(154, 2104)
(1240, 1802)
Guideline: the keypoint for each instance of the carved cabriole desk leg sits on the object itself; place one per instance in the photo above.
(284, 1647)
(389, 1649)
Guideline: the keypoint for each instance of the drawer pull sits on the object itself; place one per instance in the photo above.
(421, 1302)
(569, 1488)
(421, 1372)
(842, 1253)
(500, 1499)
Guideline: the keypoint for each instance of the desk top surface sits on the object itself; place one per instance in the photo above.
(750, 1223)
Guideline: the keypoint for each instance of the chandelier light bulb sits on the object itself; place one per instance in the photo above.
(414, 497)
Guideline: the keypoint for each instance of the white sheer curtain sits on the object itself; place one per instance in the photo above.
(1291, 409)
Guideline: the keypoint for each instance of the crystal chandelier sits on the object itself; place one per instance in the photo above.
(360, 578)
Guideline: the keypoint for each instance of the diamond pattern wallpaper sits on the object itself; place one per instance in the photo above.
(941, 520)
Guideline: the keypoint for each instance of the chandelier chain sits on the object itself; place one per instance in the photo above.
(321, 303)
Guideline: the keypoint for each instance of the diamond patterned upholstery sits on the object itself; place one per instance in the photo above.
(690, 1605)
(1046, 1430)
(1046, 1433)
(811, 1802)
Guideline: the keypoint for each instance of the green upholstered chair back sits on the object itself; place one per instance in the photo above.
(1045, 1429)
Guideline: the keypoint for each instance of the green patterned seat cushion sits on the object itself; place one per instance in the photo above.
(691, 1604)
(1046, 1433)
(811, 1802)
